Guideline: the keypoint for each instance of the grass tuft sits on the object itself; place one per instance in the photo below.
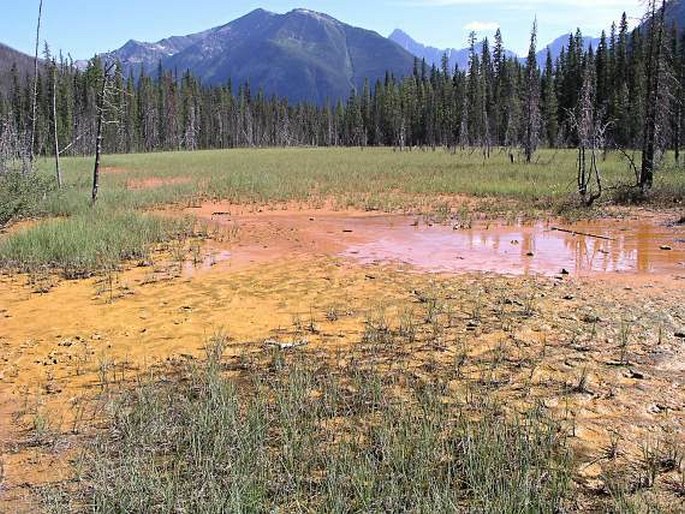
(22, 195)
(84, 245)
(299, 440)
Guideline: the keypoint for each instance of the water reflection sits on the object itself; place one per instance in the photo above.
(632, 247)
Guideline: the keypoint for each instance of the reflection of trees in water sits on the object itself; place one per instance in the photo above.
(590, 254)
(635, 248)
(527, 250)
(644, 239)
(625, 251)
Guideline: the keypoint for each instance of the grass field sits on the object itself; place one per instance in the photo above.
(361, 178)
(81, 245)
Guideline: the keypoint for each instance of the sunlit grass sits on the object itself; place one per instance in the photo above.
(85, 244)
(349, 175)
(297, 440)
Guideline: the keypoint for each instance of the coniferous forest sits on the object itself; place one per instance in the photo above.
(604, 95)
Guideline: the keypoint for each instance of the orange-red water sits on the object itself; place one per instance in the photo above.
(608, 246)
(537, 249)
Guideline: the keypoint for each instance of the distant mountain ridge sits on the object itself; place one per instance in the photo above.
(460, 57)
(432, 55)
(300, 55)
(561, 43)
(9, 57)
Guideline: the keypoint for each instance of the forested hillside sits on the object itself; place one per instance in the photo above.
(9, 59)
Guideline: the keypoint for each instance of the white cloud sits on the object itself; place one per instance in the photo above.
(482, 26)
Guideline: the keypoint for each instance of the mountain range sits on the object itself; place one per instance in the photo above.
(460, 57)
(432, 55)
(300, 55)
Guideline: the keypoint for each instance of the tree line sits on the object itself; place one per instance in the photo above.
(607, 97)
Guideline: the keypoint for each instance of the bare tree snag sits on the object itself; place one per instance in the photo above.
(591, 133)
(58, 171)
(102, 100)
(34, 102)
(654, 64)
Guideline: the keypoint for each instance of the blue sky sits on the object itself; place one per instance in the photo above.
(85, 27)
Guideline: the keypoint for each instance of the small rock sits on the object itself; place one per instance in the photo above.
(53, 388)
(530, 254)
(680, 334)
(637, 375)
(564, 271)
(569, 297)
(347, 231)
(657, 408)
(665, 248)
(581, 348)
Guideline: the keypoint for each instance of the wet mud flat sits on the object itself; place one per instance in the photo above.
(601, 347)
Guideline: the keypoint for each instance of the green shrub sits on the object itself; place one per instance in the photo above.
(21, 195)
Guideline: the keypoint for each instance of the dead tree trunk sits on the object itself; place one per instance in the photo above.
(591, 134)
(34, 102)
(654, 63)
(58, 171)
(102, 100)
